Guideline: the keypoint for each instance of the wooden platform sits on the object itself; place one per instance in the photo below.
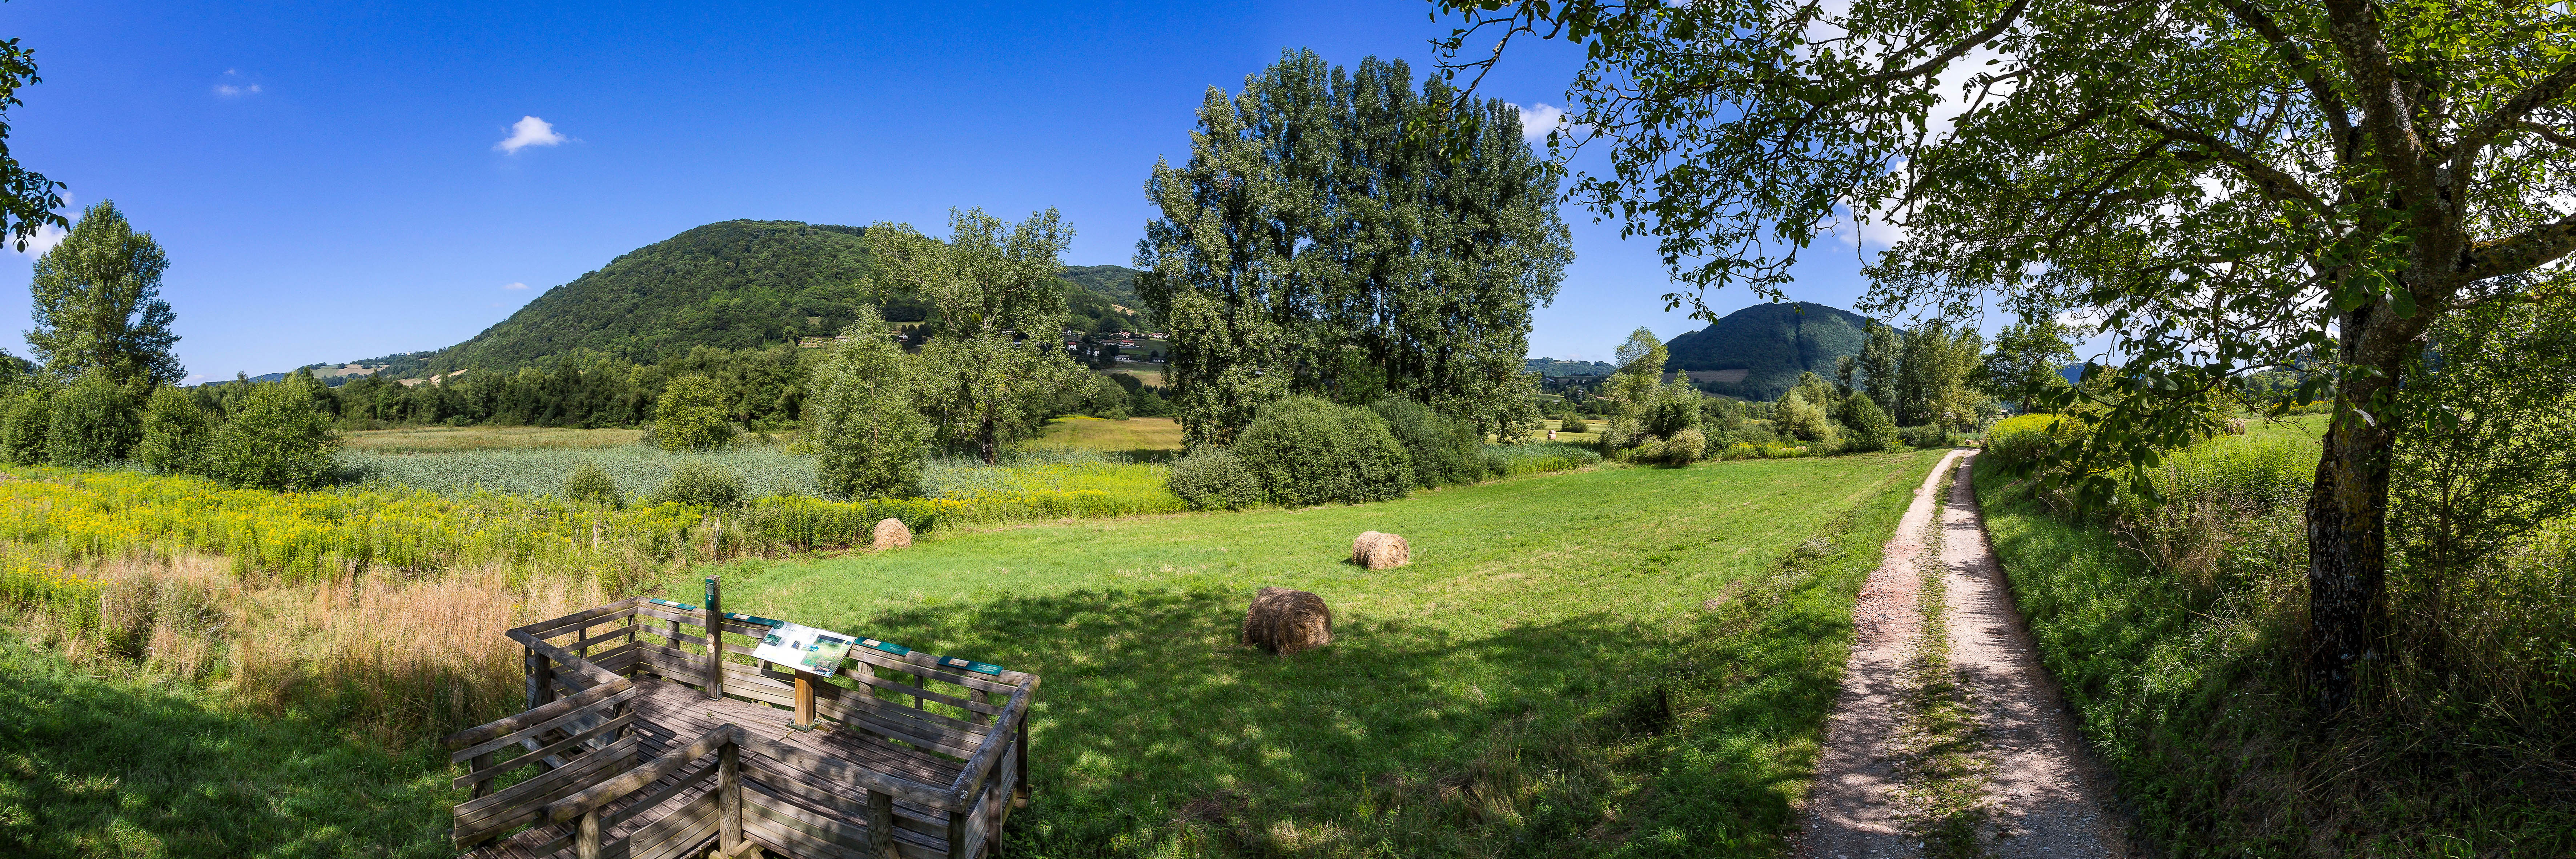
(636, 753)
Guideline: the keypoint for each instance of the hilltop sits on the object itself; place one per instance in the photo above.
(731, 284)
(1757, 352)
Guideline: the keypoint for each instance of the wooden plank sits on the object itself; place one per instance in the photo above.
(689, 834)
(754, 630)
(586, 617)
(481, 818)
(930, 668)
(844, 772)
(826, 798)
(651, 610)
(615, 659)
(628, 782)
(479, 776)
(686, 824)
(846, 838)
(937, 731)
(782, 839)
(483, 738)
(907, 689)
(576, 647)
(981, 764)
(573, 664)
(678, 783)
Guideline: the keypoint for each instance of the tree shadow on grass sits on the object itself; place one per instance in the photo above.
(1401, 738)
(107, 767)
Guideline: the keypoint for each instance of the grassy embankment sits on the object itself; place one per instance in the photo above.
(2178, 636)
(1629, 662)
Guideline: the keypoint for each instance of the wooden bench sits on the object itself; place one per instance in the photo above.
(640, 739)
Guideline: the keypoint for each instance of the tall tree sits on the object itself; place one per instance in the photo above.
(27, 198)
(860, 404)
(1880, 355)
(1934, 376)
(2026, 358)
(2236, 185)
(1314, 244)
(98, 304)
(995, 355)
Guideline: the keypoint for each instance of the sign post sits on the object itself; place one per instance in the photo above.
(812, 653)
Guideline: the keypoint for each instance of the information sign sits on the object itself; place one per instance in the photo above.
(815, 651)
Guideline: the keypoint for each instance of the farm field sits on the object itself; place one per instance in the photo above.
(452, 439)
(1142, 437)
(1629, 662)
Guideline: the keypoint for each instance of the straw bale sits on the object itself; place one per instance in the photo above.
(892, 535)
(1378, 551)
(1284, 622)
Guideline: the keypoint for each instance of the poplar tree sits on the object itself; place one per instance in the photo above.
(98, 305)
(998, 315)
(1318, 241)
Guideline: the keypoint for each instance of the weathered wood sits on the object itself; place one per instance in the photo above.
(885, 719)
(670, 614)
(754, 630)
(901, 689)
(844, 772)
(714, 612)
(808, 834)
(880, 825)
(674, 786)
(477, 735)
(833, 798)
(981, 764)
(957, 845)
(523, 802)
(1020, 759)
(930, 669)
(679, 833)
(577, 671)
(586, 844)
(804, 700)
(729, 795)
(481, 781)
(552, 627)
(540, 678)
(484, 772)
(651, 771)
(578, 646)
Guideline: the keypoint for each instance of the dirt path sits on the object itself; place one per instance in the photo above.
(2044, 796)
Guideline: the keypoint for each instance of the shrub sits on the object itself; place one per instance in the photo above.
(2025, 438)
(1806, 422)
(1574, 423)
(275, 440)
(1444, 451)
(92, 424)
(1213, 477)
(1927, 435)
(703, 485)
(1309, 451)
(590, 483)
(1685, 447)
(1871, 428)
(23, 425)
(870, 434)
(174, 432)
(690, 415)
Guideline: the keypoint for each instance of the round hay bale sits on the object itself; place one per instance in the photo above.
(892, 535)
(1379, 551)
(1284, 622)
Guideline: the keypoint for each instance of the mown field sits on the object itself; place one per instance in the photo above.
(1628, 662)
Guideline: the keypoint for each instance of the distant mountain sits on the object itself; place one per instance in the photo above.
(1552, 368)
(730, 284)
(1757, 352)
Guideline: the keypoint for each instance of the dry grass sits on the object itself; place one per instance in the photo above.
(1133, 435)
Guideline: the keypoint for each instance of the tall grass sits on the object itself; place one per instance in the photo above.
(1538, 457)
(637, 469)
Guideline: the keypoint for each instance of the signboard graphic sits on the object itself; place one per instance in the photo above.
(815, 651)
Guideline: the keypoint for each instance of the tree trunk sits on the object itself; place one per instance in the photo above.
(2348, 520)
(984, 441)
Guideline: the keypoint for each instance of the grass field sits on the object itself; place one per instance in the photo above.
(452, 439)
(1144, 439)
(1629, 662)
(1150, 374)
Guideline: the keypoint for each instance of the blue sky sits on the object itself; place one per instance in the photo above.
(328, 182)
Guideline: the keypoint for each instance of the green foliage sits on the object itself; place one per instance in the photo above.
(1871, 428)
(592, 483)
(1443, 451)
(98, 305)
(1213, 478)
(1309, 451)
(1806, 422)
(2490, 454)
(1684, 448)
(1538, 457)
(274, 439)
(2026, 357)
(175, 432)
(1935, 378)
(690, 416)
(1575, 423)
(703, 485)
(1314, 245)
(982, 384)
(1772, 343)
(863, 420)
(28, 414)
(1927, 435)
(92, 424)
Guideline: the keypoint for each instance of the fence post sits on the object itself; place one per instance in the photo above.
(586, 844)
(880, 825)
(957, 830)
(541, 679)
(715, 637)
(729, 798)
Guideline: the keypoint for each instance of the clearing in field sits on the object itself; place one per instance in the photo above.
(452, 439)
(1145, 439)
(1613, 662)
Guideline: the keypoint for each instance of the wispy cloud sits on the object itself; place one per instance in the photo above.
(514, 286)
(234, 85)
(530, 131)
(1540, 118)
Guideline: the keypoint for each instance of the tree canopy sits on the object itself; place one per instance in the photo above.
(98, 305)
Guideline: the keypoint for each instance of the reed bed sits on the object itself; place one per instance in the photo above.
(1539, 457)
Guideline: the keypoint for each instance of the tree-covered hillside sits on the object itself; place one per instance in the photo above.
(1773, 343)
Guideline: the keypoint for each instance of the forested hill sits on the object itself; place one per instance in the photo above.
(1772, 343)
(733, 285)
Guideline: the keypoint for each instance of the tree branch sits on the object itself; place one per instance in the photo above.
(2312, 75)
(1988, 34)
(2547, 133)
(2265, 176)
(2510, 114)
(2533, 248)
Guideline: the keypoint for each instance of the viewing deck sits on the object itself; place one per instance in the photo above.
(654, 750)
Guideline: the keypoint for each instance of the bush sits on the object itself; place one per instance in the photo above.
(2025, 438)
(92, 424)
(1871, 428)
(174, 432)
(275, 440)
(703, 485)
(1927, 435)
(690, 415)
(1309, 451)
(590, 483)
(1685, 447)
(870, 434)
(1574, 423)
(23, 425)
(1444, 451)
(1215, 478)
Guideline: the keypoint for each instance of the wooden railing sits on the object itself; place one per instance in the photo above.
(576, 730)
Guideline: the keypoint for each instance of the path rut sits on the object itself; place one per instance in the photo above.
(2045, 794)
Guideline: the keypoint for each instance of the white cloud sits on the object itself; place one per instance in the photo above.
(235, 85)
(530, 131)
(45, 239)
(514, 286)
(1540, 118)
